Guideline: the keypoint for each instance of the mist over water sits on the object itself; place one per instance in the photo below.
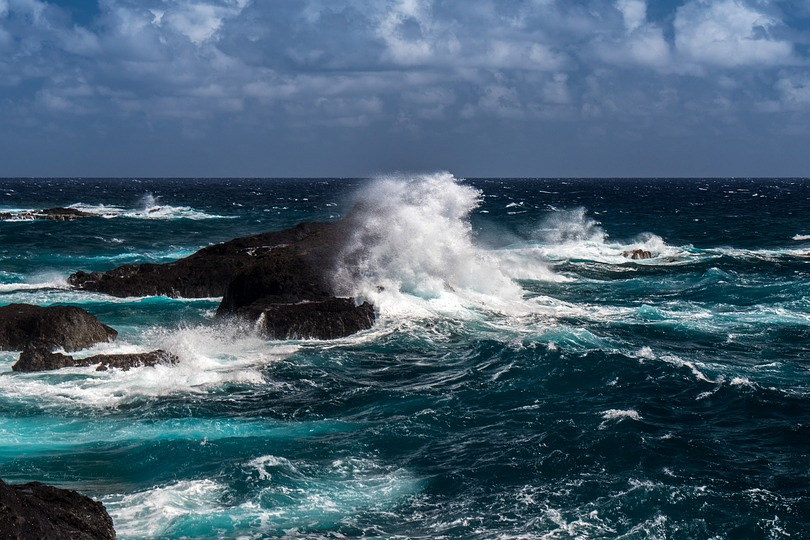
(525, 378)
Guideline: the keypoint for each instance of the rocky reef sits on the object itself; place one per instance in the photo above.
(280, 280)
(36, 511)
(52, 214)
(39, 359)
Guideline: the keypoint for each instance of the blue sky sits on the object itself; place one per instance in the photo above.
(350, 88)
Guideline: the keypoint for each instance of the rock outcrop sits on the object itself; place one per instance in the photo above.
(40, 359)
(208, 272)
(36, 511)
(52, 214)
(66, 327)
(321, 319)
(281, 280)
(636, 254)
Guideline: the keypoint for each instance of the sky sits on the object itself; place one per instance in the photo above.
(530, 88)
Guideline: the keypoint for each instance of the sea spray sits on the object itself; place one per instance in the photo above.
(412, 238)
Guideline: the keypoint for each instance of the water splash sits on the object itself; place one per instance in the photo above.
(412, 244)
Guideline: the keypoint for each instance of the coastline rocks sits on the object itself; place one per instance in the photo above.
(637, 254)
(41, 359)
(205, 273)
(52, 214)
(66, 327)
(326, 319)
(35, 511)
(279, 280)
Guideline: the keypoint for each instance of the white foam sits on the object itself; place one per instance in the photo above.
(571, 235)
(39, 281)
(801, 237)
(620, 414)
(338, 491)
(210, 356)
(149, 208)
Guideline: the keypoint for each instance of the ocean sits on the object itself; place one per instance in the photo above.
(525, 378)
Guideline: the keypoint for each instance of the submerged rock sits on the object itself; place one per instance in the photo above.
(282, 277)
(41, 359)
(53, 214)
(36, 511)
(636, 254)
(66, 327)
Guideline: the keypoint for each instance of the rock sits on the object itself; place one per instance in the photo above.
(208, 272)
(53, 214)
(66, 327)
(325, 319)
(40, 359)
(36, 511)
(636, 254)
(283, 278)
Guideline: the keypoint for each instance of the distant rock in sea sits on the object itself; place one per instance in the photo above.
(52, 214)
(636, 254)
(37, 511)
(281, 280)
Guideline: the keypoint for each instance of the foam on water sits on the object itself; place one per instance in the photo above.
(210, 356)
(291, 496)
(573, 235)
(149, 207)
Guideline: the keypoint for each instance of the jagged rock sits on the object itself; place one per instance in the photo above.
(36, 511)
(66, 327)
(326, 319)
(40, 359)
(636, 254)
(283, 277)
(207, 272)
(53, 214)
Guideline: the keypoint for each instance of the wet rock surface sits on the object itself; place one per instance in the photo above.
(637, 254)
(37, 511)
(284, 277)
(66, 327)
(52, 214)
(40, 359)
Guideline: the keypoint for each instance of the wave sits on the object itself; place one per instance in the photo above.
(412, 252)
(210, 357)
(289, 495)
(149, 207)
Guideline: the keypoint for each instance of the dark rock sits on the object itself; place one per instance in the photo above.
(208, 272)
(66, 327)
(325, 319)
(636, 254)
(282, 277)
(36, 511)
(53, 214)
(40, 359)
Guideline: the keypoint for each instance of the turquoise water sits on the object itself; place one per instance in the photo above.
(524, 378)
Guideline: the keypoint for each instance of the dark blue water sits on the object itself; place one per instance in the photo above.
(525, 379)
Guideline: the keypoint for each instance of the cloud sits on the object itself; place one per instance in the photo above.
(396, 68)
(728, 33)
(794, 91)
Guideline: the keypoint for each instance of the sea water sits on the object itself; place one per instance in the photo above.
(524, 378)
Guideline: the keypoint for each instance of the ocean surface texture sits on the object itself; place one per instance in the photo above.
(524, 379)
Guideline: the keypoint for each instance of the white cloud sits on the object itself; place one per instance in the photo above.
(728, 33)
(634, 13)
(794, 91)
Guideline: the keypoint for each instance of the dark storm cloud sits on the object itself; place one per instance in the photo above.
(542, 87)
